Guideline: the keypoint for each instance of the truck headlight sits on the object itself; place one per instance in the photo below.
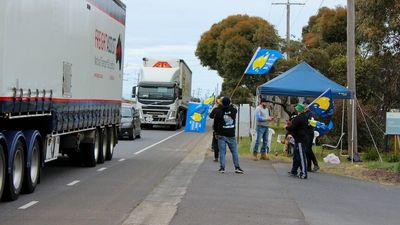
(172, 115)
(141, 114)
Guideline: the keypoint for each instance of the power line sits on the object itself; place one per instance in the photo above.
(298, 14)
(288, 5)
(322, 2)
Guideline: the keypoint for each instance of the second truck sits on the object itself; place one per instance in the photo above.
(163, 92)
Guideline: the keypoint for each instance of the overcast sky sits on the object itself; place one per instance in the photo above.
(171, 29)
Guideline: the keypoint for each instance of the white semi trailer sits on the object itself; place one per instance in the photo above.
(163, 92)
(61, 66)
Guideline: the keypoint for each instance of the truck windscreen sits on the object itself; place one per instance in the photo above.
(159, 93)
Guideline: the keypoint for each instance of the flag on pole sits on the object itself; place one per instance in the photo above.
(210, 100)
(321, 127)
(262, 61)
(196, 117)
(323, 105)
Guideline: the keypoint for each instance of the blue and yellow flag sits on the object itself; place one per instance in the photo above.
(262, 61)
(321, 127)
(210, 100)
(323, 105)
(196, 117)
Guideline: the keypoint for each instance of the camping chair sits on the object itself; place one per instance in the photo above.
(326, 146)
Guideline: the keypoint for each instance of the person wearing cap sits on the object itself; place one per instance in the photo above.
(311, 159)
(214, 143)
(298, 126)
(262, 118)
(225, 128)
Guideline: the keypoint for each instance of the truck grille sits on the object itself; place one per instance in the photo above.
(155, 113)
(155, 107)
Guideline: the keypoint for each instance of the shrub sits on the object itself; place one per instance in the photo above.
(371, 155)
(392, 158)
(397, 168)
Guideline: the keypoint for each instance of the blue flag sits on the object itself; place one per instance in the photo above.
(321, 127)
(196, 117)
(323, 105)
(262, 61)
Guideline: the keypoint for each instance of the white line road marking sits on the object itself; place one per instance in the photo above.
(148, 147)
(121, 160)
(102, 168)
(73, 183)
(28, 205)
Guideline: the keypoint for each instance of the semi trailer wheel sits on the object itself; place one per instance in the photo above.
(14, 180)
(91, 151)
(32, 172)
(110, 143)
(2, 170)
(103, 146)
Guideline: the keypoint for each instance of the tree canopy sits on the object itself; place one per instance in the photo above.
(228, 47)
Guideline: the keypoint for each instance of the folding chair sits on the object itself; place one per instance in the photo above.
(326, 146)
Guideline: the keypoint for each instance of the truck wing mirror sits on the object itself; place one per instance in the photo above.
(134, 92)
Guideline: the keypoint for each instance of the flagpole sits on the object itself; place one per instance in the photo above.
(248, 66)
(237, 85)
(318, 97)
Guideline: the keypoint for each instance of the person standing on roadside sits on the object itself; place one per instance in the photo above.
(311, 159)
(298, 127)
(214, 144)
(262, 118)
(225, 128)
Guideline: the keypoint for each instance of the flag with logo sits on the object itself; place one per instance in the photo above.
(321, 127)
(323, 105)
(196, 117)
(210, 100)
(262, 61)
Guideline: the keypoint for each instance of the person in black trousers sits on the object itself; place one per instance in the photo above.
(214, 143)
(311, 159)
(298, 127)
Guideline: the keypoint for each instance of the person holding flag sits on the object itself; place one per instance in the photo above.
(298, 126)
(225, 120)
(311, 159)
(214, 143)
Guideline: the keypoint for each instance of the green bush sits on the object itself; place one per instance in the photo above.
(397, 168)
(392, 158)
(371, 155)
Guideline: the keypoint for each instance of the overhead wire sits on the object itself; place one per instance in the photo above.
(298, 14)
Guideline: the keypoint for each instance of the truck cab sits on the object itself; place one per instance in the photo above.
(163, 93)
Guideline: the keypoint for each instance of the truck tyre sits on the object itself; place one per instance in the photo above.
(32, 173)
(103, 146)
(180, 120)
(91, 151)
(132, 136)
(2, 170)
(110, 143)
(14, 179)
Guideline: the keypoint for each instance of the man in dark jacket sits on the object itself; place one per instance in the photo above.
(298, 127)
(224, 121)
(311, 159)
(214, 144)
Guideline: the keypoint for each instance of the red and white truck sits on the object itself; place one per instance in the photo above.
(61, 68)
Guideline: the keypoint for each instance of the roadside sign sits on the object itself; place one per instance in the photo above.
(393, 123)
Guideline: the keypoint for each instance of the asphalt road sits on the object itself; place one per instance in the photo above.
(105, 194)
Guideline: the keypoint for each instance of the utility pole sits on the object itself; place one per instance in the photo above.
(288, 4)
(351, 81)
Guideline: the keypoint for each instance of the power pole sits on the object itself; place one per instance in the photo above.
(351, 81)
(288, 4)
